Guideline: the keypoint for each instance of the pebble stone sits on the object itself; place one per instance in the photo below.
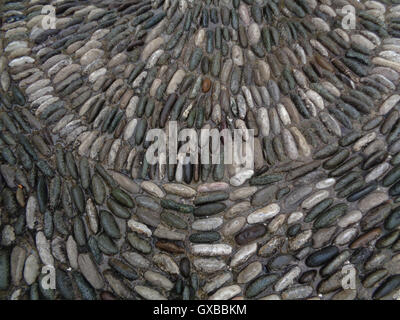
(314, 184)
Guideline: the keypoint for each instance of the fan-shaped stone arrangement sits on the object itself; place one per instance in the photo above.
(80, 199)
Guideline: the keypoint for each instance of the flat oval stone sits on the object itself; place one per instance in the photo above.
(31, 268)
(263, 214)
(89, 270)
(264, 195)
(322, 256)
(260, 284)
(148, 293)
(158, 280)
(217, 281)
(350, 218)
(254, 33)
(243, 254)
(211, 250)
(297, 195)
(250, 272)
(233, 226)
(250, 234)
(226, 293)
(211, 187)
(237, 55)
(210, 265)
(153, 189)
(287, 279)
(372, 200)
(207, 224)
(364, 239)
(315, 199)
(237, 208)
(242, 193)
(389, 104)
(300, 240)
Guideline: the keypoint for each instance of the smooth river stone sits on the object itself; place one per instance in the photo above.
(158, 280)
(18, 255)
(151, 47)
(346, 236)
(211, 250)
(271, 297)
(366, 238)
(207, 224)
(250, 234)
(240, 178)
(210, 265)
(72, 252)
(175, 81)
(265, 70)
(315, 199)
(264, 195)
(233, 226)
(240, 207)
(153, 189)
(242, 193)
(165, 233)
(322, 236)
(297, 292)
(179, 189)
(263, 214)
(217, 281)
(295, 217)
(166, 263)
(297, 195)
(139, 228)
(243, 254)
(31, 269)
(250, 272)
(244, 14)
(136, 260)
(237, 55)
(300, 240)
(389, 104)
(226, 293)
(350, 218)
(377, 172)
(148, 216)
(125, 182)
(43, 246)
(287, 279)
(89, 271)
(372, 200)
(290, 144)
(254, 33)
(148, 293)
(214, 186)
(362, 142)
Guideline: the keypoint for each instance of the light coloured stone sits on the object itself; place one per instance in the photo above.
(43, 246)
(211, 250)
(389, 104)
(372, 200)
(250, 272)
(314, 199)
(226, 293)
(243, 254)
(263, 214)
(207, 224)
(89, 271)
(139, 227)
(31, 269)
